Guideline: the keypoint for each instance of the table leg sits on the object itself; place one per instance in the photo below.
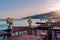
(18, 33)
(4, 36)
(35, 32)
(29, 31)
(50, 36)
(55, 37)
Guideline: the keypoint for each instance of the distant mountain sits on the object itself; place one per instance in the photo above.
(42, 16)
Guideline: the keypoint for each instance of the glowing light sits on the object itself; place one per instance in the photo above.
(55, 7)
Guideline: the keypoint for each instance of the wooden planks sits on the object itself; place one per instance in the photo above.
(24, 37)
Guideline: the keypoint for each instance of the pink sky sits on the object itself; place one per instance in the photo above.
(23, 8)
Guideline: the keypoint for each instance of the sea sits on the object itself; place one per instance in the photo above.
(18, 22)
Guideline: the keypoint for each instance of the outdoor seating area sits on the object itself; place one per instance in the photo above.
(29, 19)
(20, 30)
(30, 32)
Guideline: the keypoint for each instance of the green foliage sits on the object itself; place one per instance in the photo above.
(9, 21)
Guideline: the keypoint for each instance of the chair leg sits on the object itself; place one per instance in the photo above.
(18, 33)
(43, 38)
(14, 34)
(55, 37)
(4, 36)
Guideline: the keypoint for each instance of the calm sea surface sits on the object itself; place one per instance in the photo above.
(16, 22)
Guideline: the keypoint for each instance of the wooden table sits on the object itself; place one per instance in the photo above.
(22, 28)
(3, 33)
(23, 37)
(30, 29)
(55, 29)
(25, 28)
(43, 26)
(40, 27)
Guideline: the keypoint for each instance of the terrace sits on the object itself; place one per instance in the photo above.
(30, 33)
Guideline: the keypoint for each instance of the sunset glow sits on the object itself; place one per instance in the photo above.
(55, 7)
(24, 8)
(57, 13)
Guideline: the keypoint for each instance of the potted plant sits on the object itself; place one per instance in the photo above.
(29, 21)
(9, 21)
(49, 22)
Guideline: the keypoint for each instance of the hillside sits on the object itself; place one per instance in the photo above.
(42, 16)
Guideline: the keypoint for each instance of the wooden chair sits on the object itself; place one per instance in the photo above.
(9, 32)
(57, 32)
(19, 30)
(46, 35)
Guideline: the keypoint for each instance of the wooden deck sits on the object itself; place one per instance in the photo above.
(34, 28)
(24, 37)
(2, 33)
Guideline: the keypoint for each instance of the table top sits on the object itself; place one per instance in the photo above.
(40, 22)
(43, 27)
(3, 33)
(23, 37)
(56, 28)
(46, 28)
(43, 22)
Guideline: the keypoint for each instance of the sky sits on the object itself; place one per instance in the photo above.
(24, 8)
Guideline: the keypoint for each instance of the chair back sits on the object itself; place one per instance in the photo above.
(19, 29)
(49, 32)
